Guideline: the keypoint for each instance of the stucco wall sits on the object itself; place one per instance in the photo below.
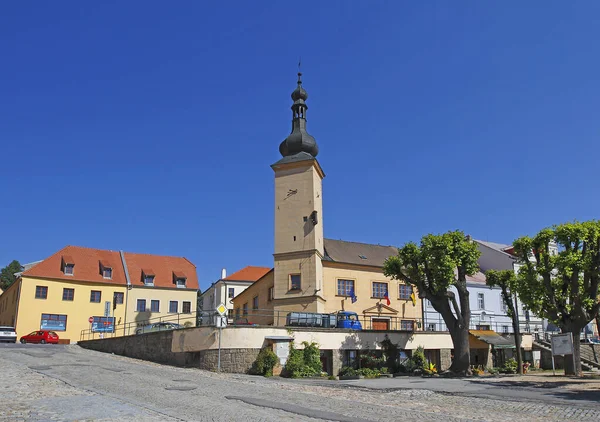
(264, 316)
(363, 279)
(78, 310)
(164, 296)
(254, 337)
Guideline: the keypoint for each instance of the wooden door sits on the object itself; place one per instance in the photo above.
(380, 324)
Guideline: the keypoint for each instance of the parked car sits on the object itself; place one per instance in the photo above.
(41, 336)
(158, 326)
(8, 334)
(242, 321)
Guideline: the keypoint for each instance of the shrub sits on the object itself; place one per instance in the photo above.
(369, 360)
(492, 371)
(418, 358)
(368, 372)
(264, 363)
(304, 362)
(510, 367)
(348, 371)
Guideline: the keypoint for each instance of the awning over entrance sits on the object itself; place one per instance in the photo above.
(493, 338)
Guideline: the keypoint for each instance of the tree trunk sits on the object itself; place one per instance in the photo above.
(517, 334)
(516, 331)
(461, 364)
(569, 368)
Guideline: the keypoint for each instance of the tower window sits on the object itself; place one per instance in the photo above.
(295, 281)
(294, 238)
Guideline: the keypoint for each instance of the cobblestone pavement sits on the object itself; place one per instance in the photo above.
(48, 382)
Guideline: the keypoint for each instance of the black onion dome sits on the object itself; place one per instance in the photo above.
(299, 140)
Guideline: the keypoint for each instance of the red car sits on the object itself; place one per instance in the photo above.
(41, 336)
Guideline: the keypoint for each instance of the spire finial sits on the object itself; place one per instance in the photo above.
(300, 71)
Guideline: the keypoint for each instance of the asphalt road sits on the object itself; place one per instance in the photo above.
(56, 382)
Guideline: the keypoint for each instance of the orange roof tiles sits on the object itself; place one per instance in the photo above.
(164, 267)
(249, 273)
(87, 267)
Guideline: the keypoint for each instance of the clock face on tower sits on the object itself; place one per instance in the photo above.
(290, 193)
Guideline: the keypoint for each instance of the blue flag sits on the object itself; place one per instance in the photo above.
(352, 295)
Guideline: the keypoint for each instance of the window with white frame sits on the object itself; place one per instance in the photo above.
(505, 329)
(344, 287)
(405, 291)
(379, 289)
(407, 325)
(480, 301)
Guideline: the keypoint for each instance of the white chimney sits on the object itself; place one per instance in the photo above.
(223, 274)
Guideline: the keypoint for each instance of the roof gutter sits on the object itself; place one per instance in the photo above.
(124, 262)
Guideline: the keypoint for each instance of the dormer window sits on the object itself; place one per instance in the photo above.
(148, 277)
(179, 279)
(68, 265)
(106, 269)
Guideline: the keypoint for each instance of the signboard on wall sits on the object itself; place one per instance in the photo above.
(103, 324)
(53, 322)
(562, 344)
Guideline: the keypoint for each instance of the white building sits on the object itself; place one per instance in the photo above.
(225, 289)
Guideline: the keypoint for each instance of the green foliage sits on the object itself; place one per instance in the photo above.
(369, 360)
(304, 362)
(508, 283)
(492, 371)
(510, 367)
(433, 266)
(7, 274)
(348, 371)
(264, 363)
(418, 358)
(561, 285)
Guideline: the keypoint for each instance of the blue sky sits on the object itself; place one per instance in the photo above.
(151, 127)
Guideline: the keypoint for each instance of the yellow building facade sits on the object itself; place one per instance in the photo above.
(82, 292)
(66, 306)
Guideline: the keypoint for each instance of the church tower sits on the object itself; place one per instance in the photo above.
(298, 275)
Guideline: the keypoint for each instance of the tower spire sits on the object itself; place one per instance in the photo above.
(299, 140)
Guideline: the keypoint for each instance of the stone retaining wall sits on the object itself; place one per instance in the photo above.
(156, 347)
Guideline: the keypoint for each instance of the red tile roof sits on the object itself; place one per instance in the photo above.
(249, 273)
(162, 268)
(86, 265)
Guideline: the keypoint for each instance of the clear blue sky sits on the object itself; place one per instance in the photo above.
(150, 126)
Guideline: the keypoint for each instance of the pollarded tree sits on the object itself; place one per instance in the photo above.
(507, 281)
(561, 282)
(439, 262)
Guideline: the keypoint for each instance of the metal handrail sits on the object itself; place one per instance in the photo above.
(271, 317)
(130, 328)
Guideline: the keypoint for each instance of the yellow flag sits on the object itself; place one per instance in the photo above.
(413, 298)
